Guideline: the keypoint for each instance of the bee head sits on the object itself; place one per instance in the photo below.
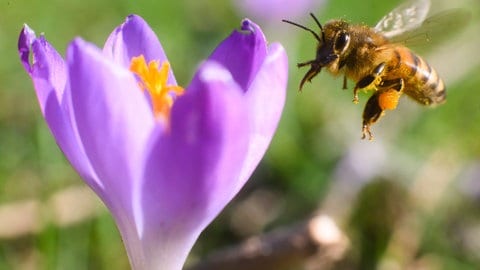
(333, 41)
(336, 40)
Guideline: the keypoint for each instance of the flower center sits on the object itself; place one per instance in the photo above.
(153, 78)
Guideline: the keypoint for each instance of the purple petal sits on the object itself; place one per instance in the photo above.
(47, 70)
(25, 40)
(59, 122)
(113, 118)
(242, 53)
(193, 169)
(48, 73)
(133, 38)
(266, 99)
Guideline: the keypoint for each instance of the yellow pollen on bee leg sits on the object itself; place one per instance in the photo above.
(388, 100)
(153, 79)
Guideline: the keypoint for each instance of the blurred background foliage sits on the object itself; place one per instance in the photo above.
(409, 199)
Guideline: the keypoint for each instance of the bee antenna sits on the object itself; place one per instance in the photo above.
(308, 29)
(319, 25)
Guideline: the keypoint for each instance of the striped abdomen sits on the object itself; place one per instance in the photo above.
(422, 82)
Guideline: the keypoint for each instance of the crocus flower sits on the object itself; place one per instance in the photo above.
(165, 161)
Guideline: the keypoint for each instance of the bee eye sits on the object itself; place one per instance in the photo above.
(341, 42)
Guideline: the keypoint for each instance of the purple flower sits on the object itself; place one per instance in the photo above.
(165, 162)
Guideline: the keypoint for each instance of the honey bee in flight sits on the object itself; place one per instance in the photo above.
(377, 58)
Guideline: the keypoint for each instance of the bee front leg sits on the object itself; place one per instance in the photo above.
(369, 81)
(312, 72)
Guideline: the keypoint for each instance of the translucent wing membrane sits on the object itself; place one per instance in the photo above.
(403, 18)
(434, 29)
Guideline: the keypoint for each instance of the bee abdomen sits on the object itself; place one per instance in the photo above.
(422, 81)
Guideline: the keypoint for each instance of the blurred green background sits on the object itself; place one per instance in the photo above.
(410, 199)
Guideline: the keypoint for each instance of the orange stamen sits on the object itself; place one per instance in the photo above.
(154, 80)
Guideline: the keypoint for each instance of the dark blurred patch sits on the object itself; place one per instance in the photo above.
(379, 207)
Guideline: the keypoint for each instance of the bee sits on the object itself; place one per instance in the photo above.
(378, 58)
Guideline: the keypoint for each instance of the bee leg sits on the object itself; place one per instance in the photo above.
(344, 82)
(364, 82)
(373, 80)
(371, 114)
(389, 93)
(395, 84)
(315, 68)
(365, 131)
(385, 98)
(308, 63)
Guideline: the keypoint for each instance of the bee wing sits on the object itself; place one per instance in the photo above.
(435, 28)
(405, 17)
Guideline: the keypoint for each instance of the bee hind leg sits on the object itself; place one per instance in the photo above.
(386, 98)
(366, 130)
(371, 114)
